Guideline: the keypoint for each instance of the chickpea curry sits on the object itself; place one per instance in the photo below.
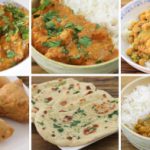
(143, 127)
(13, 35)
(62, 36)
(140, 39)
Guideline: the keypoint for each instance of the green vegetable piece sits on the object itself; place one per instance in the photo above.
(52, 44)
(75, 123)
(2, 12)
(69, 25)
(42, 6)
(97, 26)
(85, 41)
(10, 54)
(50, 25)
(65, 51)
(79, 28)
(49, 16)
(114, 113)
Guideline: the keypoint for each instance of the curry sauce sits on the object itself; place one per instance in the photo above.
(13, 35)
(61, 35)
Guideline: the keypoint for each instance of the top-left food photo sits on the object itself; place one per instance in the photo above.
(14, 36)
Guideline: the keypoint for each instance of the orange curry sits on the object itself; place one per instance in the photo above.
(61, 35)
(13, 35)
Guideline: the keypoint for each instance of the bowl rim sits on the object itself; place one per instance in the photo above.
(129, 61)
(27, 58)
(123, 125)
(74, 66)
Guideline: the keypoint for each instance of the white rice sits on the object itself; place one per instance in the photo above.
(136, 105)
(103, 12)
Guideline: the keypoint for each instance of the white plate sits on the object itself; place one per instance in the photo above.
(20, 139)
(23, 67)
(130, 13)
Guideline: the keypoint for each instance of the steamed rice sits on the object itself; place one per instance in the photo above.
(136, 105)
(103, 12)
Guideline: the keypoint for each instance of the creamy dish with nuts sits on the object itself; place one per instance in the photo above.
(63, 36)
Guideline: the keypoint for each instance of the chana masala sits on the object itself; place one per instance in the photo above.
(62, 36)
(143, 127)
(139, 38)
(14, 30)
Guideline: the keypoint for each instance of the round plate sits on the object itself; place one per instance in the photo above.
(20, 138)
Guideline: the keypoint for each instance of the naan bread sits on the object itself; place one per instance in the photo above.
(5, 130)
(79, 121)
(44, 95)
(14, 102)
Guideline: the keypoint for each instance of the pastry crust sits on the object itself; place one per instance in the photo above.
(5, 130)
(3, 81)
(14, 102)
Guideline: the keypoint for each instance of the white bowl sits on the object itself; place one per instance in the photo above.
(130, 13)
(50, 65)
(140, 142)
(24, 67)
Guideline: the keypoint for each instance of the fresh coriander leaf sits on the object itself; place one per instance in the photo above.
(52, 44)
(10, 54)
(85, 41)
(65, 51)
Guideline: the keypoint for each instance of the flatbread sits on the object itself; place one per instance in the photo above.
(75, 126)
(14, 102)
(44, 95)
(5, 130)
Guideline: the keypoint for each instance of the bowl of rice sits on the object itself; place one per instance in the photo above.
(108, 18)
(131, 15)
(135, 106)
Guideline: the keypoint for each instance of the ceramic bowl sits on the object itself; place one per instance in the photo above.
(140, 142)
(130, 13)
(58, 67)
(23, 66)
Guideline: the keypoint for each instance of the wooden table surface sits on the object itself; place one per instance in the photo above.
(25, 80)
(110, 84)
(124, 142)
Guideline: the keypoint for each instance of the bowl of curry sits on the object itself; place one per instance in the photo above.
(136, 35)
(64, 42)
(137, 133)
(14, 32)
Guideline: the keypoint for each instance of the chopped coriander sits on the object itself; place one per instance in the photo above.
(79, 28)
(40, 123)
(42, 6)
(58, 127)
(50, 25)
(10, 54)
(114, 113)
(52, 44)
(97, 26)
(85, 41)
(65, 51)
(69, 25)
(75, 123)
(49, 16)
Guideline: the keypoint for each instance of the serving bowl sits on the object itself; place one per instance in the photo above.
(50, 65)
(23, 66)
(139, 141)
(129, 13)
